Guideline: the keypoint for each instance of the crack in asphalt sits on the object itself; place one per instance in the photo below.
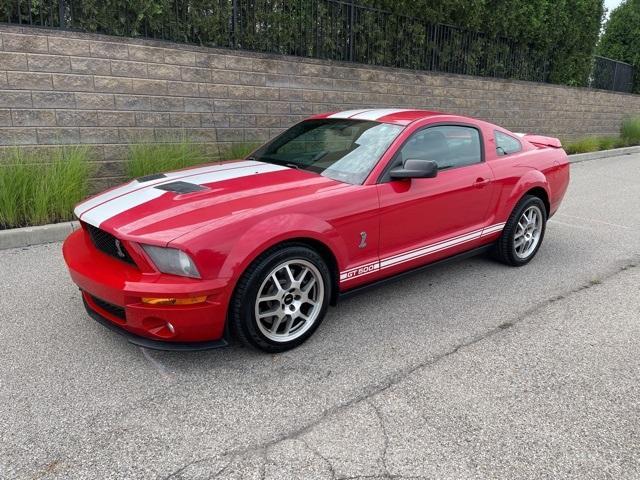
(322, 457)
(385, 435)
(373, 390)
(263, 467)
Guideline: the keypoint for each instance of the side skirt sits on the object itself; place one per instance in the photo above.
(398, 276)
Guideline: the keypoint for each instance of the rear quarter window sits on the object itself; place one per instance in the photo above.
(506, 144)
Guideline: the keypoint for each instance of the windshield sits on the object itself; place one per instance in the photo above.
(341, 149)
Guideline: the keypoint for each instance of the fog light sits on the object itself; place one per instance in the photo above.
(174, 301)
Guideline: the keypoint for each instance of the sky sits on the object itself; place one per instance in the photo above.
(611, 4)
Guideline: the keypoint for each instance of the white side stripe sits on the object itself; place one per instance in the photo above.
(429, 249)
(356, 271)
(410, 255)
(498, 227)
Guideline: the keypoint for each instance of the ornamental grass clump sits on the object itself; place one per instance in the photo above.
(36, 189)
(592, 144)
(630, 131)
(150, 158)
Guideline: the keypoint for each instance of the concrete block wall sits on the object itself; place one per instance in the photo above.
(72, 88)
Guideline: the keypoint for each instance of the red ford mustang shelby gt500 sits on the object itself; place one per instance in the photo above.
(259, 248)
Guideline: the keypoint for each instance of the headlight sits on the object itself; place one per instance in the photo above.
(172, 260)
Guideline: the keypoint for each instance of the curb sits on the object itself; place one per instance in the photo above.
(614, 152)
(56, 232)
(27, 236)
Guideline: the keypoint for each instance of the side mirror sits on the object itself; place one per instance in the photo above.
(414, 168)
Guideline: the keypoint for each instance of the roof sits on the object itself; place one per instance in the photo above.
(401, 116)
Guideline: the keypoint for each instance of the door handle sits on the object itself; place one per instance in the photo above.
(481, 182)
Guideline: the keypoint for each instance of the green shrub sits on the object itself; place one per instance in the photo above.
(607, 143)
(592, 144)
(35, 192)
(630, 131)
(583, 145)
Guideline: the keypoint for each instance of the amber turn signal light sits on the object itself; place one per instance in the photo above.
(174, 301)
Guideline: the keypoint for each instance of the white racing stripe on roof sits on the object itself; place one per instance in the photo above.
(348, 113)
(146, 193)
(134, 185)
(378, 113)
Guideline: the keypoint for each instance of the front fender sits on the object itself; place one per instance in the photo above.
(274, 230)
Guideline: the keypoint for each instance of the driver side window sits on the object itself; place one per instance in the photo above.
(450, 146)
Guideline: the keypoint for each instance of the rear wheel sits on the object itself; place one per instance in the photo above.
(281, 299)
(523, 232)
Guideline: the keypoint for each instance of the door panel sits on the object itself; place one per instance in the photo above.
(423, 220)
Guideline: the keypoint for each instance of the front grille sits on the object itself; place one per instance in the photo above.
(114, 310)
(107, 243)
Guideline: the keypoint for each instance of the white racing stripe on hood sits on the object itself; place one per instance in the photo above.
(114, 207)
(146, 192)
(136, 185)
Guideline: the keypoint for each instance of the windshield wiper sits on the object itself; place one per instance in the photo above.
(275, 161)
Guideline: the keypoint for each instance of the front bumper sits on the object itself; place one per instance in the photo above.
(148, 342)
(112, 291)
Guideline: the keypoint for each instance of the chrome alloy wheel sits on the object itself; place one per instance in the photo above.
(289, 300)
(528, 232)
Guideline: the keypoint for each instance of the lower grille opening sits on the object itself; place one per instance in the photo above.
(114, 310)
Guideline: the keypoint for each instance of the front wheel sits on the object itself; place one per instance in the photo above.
(523, 232)
(281, 299)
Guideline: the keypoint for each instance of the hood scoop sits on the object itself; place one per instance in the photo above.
(181, 187)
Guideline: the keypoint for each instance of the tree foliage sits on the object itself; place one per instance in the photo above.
(527, 39)
(564, 31)
(621, 37)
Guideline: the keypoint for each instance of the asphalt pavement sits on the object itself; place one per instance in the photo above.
(468, 370)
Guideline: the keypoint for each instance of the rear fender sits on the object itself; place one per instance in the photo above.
(530, 180)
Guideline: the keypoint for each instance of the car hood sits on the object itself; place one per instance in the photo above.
(160, 208)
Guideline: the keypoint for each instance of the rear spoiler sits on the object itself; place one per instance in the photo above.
(540, 140)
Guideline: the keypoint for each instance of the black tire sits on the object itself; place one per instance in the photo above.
(243, 323)
(505, 249)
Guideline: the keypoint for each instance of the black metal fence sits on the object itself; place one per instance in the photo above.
(611, 74)
(326, 29)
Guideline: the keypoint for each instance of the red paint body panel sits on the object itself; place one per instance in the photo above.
(124, 285)
(225, 226)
